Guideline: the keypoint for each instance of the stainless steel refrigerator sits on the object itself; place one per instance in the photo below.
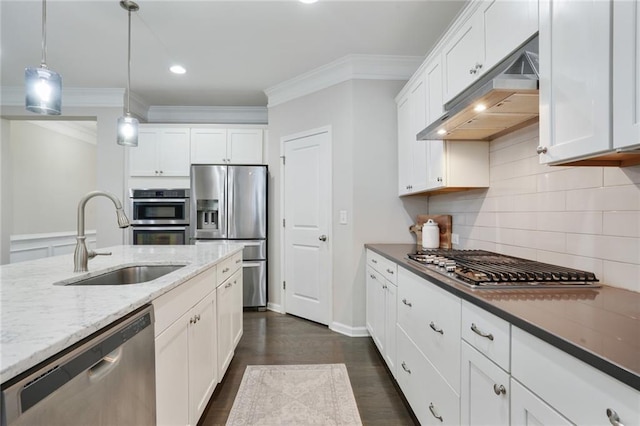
(229, 203)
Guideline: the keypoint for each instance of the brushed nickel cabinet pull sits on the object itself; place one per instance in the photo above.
(433, 412)
(614, 419)
(406, 303)
(404, 367)
(373, 277)
(480, 333)
(374, 261)
(435, 328)
(499, 389)
(390, 271)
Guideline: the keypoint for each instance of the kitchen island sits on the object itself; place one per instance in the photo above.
(39, 318)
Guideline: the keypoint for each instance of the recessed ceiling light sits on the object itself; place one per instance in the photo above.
(479, 108)
(177, 69)
(308, 1)
(442, 131)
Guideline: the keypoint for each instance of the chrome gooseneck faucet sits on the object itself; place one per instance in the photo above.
(81, 255)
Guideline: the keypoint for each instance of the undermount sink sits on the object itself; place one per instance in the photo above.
(128, 275)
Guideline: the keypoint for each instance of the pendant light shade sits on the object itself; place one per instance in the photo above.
(127, 124)
(43, 87)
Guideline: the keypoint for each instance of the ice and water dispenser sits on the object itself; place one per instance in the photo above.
(207, 215)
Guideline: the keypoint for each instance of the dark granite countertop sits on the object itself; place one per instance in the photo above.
(598, 326)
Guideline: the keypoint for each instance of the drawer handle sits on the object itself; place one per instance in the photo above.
(480, 333)
(433, 412)
(373, 277)
(390, 271)
(228, 285)
(384, 286)
(238, 261)
(404, 367)
(499, 389)
(374, 261)
(435, 328)
(406, 303)
(225, 270)
(614, 419)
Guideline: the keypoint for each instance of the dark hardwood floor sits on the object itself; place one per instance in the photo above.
(271, 338)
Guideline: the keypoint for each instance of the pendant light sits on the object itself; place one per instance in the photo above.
(127, 124)
(43, 86)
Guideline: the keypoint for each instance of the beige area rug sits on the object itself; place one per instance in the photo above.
(315, 394)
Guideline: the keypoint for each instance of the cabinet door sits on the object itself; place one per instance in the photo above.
(529, 410)
(174, 152)
(484, 390)
(237, 302)
(435, 108)
(418, 109)
(202, 355)
(375, 307)
(575, 96)
(507, 24)
(208, 146)
(626, 74)
(462, 57)
(244, 146)
(143, 160)
(172, 374)
(390, 321)
(224, 303)
(404, 147)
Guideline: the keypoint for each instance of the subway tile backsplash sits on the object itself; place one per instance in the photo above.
(580, 217)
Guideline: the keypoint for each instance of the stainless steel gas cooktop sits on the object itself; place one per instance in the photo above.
(481, 269)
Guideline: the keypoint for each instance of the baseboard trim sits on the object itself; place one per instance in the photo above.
(348, 330)
(275, 308)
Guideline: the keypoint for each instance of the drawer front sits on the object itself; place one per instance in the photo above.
(487, 333)
(431, 318)
(227, 267)
(383, 265)
(433, 401)
(172, 305)
(579, 392)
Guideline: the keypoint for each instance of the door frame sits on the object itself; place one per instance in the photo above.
(306, 133)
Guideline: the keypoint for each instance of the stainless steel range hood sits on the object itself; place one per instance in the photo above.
(503, 100)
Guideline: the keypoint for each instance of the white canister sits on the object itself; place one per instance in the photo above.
(430, 235)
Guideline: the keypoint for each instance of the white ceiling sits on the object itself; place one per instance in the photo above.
(233, 50)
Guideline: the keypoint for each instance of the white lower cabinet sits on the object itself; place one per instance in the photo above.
(185, 349)
(229, 319)
(433, 401)
(529, 410)
(484, 394)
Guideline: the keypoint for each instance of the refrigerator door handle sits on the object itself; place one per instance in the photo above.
(250, 264)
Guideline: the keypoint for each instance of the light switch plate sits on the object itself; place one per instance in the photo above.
(343, 217)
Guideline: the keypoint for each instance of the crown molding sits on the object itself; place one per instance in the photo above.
(350, 67)
(72, 96)
(208, 114)
(84, 131)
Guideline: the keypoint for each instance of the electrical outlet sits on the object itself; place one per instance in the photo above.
(455, 239)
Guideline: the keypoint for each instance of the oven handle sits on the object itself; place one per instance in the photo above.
(160, 200)
(159, 227)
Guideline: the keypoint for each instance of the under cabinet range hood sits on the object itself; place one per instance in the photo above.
(503, 100)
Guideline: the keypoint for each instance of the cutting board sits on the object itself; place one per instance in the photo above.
(444, 224)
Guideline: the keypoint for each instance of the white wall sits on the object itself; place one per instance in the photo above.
(364, 155)
(582, 217)
(55, 171)
(110, 160)
(5, 191)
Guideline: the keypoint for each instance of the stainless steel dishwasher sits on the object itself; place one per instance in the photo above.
(106, 379)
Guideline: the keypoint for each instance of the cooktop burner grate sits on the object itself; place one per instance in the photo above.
(479, 268)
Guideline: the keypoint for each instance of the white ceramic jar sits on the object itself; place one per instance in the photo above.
(430, 235)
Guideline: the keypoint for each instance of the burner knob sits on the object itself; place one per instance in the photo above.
(450, 265)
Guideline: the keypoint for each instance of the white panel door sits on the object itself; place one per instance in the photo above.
(208, 146)
(307, 200)
(626, 74)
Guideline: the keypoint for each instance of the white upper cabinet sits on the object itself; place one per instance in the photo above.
(434, 93)
(160, 152)
(626, 74)
(220, 146)
(494, 30)
(575, 96)
(463, 57)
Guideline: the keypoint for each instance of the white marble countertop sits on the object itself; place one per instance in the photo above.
(39, 319)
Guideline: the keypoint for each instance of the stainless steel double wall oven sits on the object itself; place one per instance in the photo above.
(159, 216)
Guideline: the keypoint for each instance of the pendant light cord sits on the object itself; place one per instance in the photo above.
(129, 66)
(43, 63)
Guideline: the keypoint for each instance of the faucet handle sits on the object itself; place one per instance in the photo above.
(93, 253)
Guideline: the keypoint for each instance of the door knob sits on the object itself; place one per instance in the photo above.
(322, 238)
